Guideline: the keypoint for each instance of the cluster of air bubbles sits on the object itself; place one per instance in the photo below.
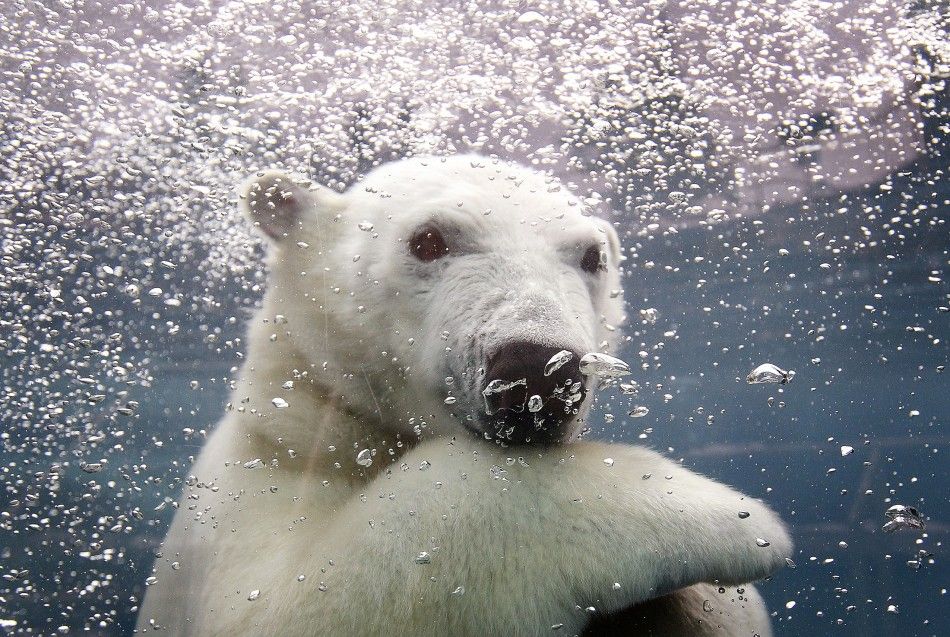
(364, 458)
(923, 557)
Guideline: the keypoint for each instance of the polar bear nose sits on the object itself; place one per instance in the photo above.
(533, 392)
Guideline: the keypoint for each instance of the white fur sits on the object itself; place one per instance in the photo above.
(530, 536)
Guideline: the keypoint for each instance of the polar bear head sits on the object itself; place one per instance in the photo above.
(437, 290)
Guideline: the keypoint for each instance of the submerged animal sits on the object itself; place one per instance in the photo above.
(368, 478)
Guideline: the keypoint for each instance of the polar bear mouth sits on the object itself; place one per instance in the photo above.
(532, 394)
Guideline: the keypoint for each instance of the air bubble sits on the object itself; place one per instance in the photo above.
(364, 458)
(903, 517)
(596, 364)
(769, 373)
(557, 362)
(535, 403)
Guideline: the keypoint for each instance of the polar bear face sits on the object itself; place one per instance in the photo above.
(434, 277)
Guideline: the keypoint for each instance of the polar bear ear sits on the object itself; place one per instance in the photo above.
(283, 206)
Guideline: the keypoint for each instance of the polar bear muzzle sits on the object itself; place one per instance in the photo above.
(523, 404)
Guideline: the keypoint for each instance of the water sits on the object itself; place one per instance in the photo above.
(126, 277)
(773, 441)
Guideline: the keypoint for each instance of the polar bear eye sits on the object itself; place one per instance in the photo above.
(594, 260)
(427, 244)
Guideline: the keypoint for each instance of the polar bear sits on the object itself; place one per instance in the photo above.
(400, 453)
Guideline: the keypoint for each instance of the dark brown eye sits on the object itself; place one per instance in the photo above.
(427, 244)
(594, 260)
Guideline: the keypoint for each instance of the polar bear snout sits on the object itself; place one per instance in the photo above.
(532, 393)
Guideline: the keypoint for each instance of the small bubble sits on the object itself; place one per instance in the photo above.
(364, 458)
(423, 558)
(535, 403)
(629, 389)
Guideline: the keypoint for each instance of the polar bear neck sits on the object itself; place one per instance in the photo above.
(312, 427)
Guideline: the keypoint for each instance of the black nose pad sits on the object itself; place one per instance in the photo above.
(532, 392)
